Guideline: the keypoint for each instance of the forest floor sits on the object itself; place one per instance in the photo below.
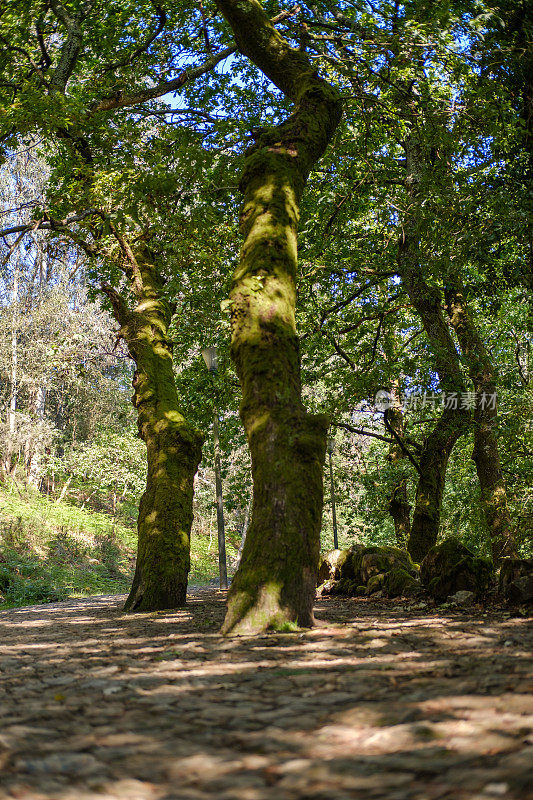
(381, 700)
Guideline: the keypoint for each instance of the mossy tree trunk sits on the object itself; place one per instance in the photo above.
(455, 419)
(173, 447)
(276, 578)
(486, 452)
(399, 506)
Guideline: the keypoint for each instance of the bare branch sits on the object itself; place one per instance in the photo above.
(361, 431)
(48, 224)
(401, 442)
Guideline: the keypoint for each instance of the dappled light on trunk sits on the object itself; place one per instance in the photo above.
(173, 446)
(276, 579)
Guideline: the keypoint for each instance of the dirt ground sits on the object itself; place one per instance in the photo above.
(381, 700)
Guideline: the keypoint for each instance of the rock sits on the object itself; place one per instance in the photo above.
(325, 588)
(515, 582)
(357, 567)
(330, 564)
(400, 583)
(62, 764)
(521, 590)
(462, 598)
(451, 567)
(346, 587)
(378, 560)
(337, 564)
(375, 584)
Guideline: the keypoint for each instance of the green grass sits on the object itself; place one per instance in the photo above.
(50, 551)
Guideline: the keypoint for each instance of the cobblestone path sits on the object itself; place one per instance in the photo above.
(380, 700)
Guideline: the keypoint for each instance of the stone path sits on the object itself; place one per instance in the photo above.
(378, 701)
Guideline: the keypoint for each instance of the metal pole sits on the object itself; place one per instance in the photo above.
(333, 510)
(220, 509)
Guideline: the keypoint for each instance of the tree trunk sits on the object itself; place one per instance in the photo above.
(173, 447)
(455, 418)
(13, 389)
(486, 453)
(438, 446)
(36, 444)
(276, 579)
(399, 506)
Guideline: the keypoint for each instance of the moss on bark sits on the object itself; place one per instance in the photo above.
(173, 447)
(276, 579)
(486, 454)
(454, 421)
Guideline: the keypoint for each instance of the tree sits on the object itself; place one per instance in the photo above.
(276, 578)
(72, 67)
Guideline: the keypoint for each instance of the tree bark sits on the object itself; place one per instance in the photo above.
(399, 506)
(486, 453)
(454, 421)
(276, 579)
(36, 444)
(173, 447)
(13, 388)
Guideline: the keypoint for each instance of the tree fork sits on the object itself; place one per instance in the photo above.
(276, 579)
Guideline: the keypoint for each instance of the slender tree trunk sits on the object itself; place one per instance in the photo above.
(13, 390)
(455, 418)
(276, 579)
(173, 447)
(36, 443)
(438, 446)
(486, 453)
(399, 506)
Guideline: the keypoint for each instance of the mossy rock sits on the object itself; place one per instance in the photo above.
(346, 587)
(326, 588)
(400, 583)
(331, 564)
(379, 560)
(337, 564)
(451, 567)
(375, 584)
(515, 582)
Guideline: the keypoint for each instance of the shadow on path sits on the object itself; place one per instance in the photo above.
(378, 701)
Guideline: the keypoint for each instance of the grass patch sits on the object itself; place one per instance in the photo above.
(50, 551)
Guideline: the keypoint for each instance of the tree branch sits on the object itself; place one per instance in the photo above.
(122, 100)
(401, 443)
(120, 307)
(162, 18)
(361, 431)
(48, 224)
(70, 50)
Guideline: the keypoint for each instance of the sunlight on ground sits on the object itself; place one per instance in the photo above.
(98, 704)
